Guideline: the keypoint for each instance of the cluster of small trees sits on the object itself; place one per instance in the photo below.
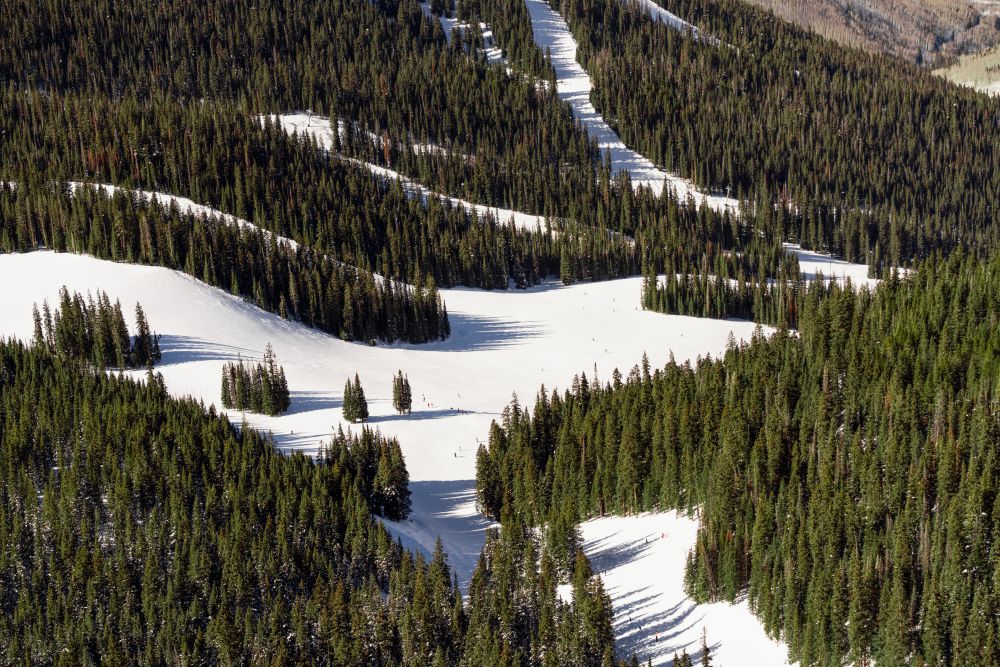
(355, 405)
(402, 396)
(255, 387)
(94, 331)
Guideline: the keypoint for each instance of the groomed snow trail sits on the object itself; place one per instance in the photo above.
(641, 560)
(502, 342)
(573, 85)
(320, 128)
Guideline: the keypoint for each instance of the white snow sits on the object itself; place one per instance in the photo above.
(658, 13)
(641, 560)
(811, 264)
(502, 342)
(305, 124)
(573, 86)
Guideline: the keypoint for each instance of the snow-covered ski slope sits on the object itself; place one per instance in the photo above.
(494, 55)
(502, 342)
(813, 264)
(641, 560)
(320, 129)
(573, 86)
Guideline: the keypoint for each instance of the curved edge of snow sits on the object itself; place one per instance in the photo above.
(574, 86)
(641, 560)
(321, 129)
(184, 205)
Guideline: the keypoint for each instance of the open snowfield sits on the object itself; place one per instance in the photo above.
(502, 342)
(573, 86)
(641, 560)
(321, 129)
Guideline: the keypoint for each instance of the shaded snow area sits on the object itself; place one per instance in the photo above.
(319, 128)
(573, 86)
(494, 55)
(641, 560)
(812, 264)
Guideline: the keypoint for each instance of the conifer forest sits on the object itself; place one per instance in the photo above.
(701, 312)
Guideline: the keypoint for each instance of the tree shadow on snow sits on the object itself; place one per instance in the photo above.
(181, 349)
(471, 333)
(422, 414)
(641, 628)
(310, 401)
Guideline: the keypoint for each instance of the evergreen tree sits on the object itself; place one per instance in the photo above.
(256, 387)
(355, 406)
(402, 398)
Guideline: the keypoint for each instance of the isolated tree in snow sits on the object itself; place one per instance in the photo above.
(402, 398)
(355, 405)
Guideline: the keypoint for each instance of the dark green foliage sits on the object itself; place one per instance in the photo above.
(139, 528)
(843, 475)
(383, 479)
(512, 29)
(383, 67)
(402, 395)
(515, 567)
(884, 161)
(94, 331)
(295, 282)
(355, 405)
(742, 270)
(136, 528)
(258, 387)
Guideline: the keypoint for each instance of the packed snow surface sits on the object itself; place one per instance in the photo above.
(320, 128)
(502, 342)
(641, 560)
(573, 86)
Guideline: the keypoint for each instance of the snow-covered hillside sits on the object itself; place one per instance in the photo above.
(321, 129)
(812, 264)
(641, 560)
(573, 86)
(502, 342)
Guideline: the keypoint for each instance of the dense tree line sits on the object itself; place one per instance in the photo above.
(135, 527)
(383, 65)
(742, 271)
(511, 27)
(382, 476)
(293, 281)
(844, 475)
(94, 331)
(260, 387)
(891, 161)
